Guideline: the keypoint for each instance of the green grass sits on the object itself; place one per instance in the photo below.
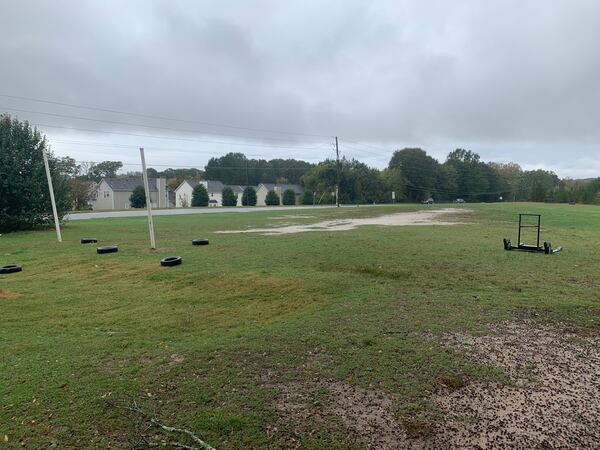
(204, 343)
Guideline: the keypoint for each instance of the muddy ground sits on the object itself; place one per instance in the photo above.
(431, 217)
(551, 398)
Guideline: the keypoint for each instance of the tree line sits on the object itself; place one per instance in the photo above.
(411, 174)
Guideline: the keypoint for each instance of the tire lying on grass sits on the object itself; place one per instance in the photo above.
(89, 240)
(199, 241)
(10, 268)
(170, 261)
(107, 249)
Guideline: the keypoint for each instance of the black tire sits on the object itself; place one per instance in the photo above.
(507, 245)
(89, 240)
(547, 248)
(107, 249)
(199, 241)
(10, 268)
(170, 261)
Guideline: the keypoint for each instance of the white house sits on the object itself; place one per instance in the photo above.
(264, 188)
(114, 193)
(183, 193)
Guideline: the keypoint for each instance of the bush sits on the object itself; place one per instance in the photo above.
(272, 199)
(200, 196)
(307, 198)
(137, 199)
(249, 196)
(24, 195)
(228, 197)
(289, 197)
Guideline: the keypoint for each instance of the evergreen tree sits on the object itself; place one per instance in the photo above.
(289, 197)
(24, 195)
(228, 197)
(307, 198)
(137, 199)
(249, 196)
(272, 199)
(200, 196)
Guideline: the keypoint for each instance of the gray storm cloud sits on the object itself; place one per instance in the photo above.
(512, 80)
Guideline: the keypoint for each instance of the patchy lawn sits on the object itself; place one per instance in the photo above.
(419, 336)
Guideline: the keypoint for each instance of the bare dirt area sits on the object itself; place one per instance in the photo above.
(7, 294)
(431, 217)
(552, 399)
(555, 399)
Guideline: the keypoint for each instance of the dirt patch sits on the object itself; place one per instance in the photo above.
(366, 414)
(8, 294)
(430, 217)
(555, 399)
(551, 401)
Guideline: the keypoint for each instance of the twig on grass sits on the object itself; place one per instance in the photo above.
(154, 421)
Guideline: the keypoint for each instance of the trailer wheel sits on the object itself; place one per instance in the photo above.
(107, 249)
(547, 248)
(10, 268)
(199, 241)
(507, 245)
(170, 261)
(89, 240)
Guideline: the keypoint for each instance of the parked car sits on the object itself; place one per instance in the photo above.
(459, 200)
(429, 201)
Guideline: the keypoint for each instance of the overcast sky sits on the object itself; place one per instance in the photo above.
(512, 80)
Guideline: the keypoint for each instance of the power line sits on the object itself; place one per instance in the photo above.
(149, 116)
(115, 122)
(169, 149)
(177, 138)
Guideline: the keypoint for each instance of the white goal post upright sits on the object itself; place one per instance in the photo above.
(52, 199)
(148, 203)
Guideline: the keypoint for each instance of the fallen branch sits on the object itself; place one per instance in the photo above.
(154, 421)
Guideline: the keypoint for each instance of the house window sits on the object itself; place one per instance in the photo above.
(106, 194)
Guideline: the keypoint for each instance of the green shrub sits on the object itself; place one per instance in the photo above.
(228, 197)
(200, 196)
(307, 198)
(289, 197)
(272, 199)
(249, 196)
(137, 199)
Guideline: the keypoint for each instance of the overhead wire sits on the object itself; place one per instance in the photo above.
(150, 116)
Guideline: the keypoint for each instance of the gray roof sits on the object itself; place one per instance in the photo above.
(284, 187)
(130, 183)
(237, 189)
(214, 186)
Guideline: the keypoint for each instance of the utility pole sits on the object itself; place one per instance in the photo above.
(52, 200)
(148, 204)
(337, 186)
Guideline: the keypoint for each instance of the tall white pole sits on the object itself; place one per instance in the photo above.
(51, 189)
(148, 204)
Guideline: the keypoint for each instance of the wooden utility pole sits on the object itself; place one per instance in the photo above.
(337, 186)
(52, 199)
(148, 204)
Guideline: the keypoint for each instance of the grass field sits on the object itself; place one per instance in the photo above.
(211, 345)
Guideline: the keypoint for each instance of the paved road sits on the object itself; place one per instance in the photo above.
(178, 211)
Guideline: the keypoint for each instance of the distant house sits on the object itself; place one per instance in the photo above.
(183, 193)
(114, 193)
(264, 188)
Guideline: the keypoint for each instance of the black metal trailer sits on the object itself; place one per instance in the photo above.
(545, 248)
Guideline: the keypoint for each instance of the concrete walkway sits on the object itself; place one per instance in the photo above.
(180, 211)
